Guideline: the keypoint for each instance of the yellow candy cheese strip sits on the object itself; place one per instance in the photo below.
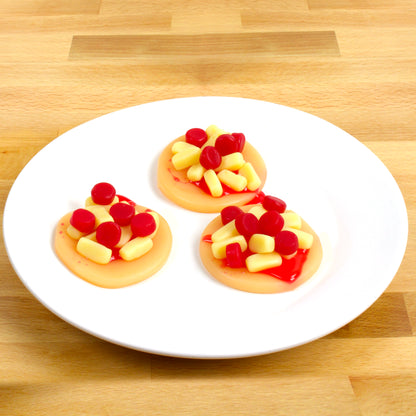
(94, 251)
(213, 183)
(258, 262)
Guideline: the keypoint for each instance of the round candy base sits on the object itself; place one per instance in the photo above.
(242, 279)
(118, 273)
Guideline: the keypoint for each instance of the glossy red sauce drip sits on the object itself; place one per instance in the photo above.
(258, 199)
(122, 198)
(288, 271)
(207, 238)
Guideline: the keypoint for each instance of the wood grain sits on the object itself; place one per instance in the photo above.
(350, 62)
(260, 44)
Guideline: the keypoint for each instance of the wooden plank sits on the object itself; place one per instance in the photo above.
(359, 4)
(30, 321)
(360, 42)
(328, 356)
(21, 48)
(200, 6)
(97, 24)
(296, 74)
(15, 154)
(85, 361)
(384, 395)
(259, 44)
(41, 8)
(283, 396)
(328, 19)
(215, 21)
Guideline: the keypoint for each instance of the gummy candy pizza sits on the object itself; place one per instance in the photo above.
(112, 242)
(260, 248)
(206, 170)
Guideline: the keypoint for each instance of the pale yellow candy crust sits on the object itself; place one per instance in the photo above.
(176, 186)
(118, 273)
(259, 282)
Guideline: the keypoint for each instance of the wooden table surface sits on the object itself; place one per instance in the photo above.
(351, 62)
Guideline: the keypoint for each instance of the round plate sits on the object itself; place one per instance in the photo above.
(333, 181)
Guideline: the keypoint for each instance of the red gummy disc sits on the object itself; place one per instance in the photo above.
(122, 213)
(108, 234)
(196, 136)
(241, 140)
(234, 255)
(286, 242)
(210, 158)
(271, 203)
(142, 224)
(83, 220)
(226, 144)
(271, 222)
(230, 213)
(247, 224)
(103, 193)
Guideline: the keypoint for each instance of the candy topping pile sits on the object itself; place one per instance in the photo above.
(110, 227)
(215, 157)
(261, 238)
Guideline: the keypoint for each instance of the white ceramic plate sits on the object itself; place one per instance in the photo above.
(327, 176)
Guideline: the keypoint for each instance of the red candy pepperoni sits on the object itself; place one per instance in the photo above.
(196, 136)
(103, 193)
(247, 224)
(83, 220)
(122, 213)
(271, 203)
(241, 140)
(108, 234)
(142, 224)
(286, 243)
(234, 256)
(226, 144)
(230, 213)
(210, 158)
(271, 222)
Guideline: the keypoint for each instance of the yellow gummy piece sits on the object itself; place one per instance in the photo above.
(253, 180)
(181, 146)
(73, 232)
(233, 161)
(226, 231)
(258, 262)
(292, 220)
(231, 179)
(214, 131)
(257, 210)
(261, 243)
(213, 183)
(186, 158)
(195, 172)
(94, 251)
(136, 248)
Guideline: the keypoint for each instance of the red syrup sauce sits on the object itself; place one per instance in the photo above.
(288, 271)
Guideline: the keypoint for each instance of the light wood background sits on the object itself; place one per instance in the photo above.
(351, 62)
